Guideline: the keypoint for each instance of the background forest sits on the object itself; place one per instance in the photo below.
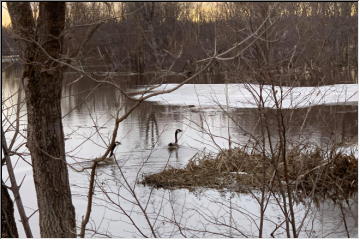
(307, 44)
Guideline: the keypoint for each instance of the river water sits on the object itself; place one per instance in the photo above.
(124, 208)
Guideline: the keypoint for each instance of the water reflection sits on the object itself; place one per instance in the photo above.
(152, 130)
(89, 111)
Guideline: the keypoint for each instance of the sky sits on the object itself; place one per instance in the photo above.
(5, 19)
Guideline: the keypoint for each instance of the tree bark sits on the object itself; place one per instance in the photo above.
(42, 80)
(8, 224)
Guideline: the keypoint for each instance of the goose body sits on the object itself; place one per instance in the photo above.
(175, 144)
(107, 160)
(111, 158)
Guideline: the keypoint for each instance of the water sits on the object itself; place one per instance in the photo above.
(88, 123)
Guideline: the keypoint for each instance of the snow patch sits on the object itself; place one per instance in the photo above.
(248, 95)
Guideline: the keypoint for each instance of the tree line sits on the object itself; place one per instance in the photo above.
(309, 43)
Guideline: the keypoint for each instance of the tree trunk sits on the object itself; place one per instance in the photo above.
(8, 224)
(42, 79)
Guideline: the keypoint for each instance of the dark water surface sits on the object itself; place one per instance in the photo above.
(88, 122)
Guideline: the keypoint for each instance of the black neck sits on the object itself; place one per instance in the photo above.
(176, 133)
(112, 150)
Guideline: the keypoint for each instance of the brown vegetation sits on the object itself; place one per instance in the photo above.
(330, 175)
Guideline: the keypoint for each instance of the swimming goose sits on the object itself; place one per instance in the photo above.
(175, 144)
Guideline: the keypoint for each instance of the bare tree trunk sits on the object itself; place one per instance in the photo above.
(8, 224)
(42, 79)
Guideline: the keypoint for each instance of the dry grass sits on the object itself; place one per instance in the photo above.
(316, 172)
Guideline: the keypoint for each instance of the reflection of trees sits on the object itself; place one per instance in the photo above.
(348, 122)
(10, 76)
(324, 124)
(152, 129)
(335, 124)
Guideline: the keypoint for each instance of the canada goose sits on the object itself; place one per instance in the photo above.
(111, 158)
(175, 144)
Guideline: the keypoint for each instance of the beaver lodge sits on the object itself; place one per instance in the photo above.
(316, 173)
